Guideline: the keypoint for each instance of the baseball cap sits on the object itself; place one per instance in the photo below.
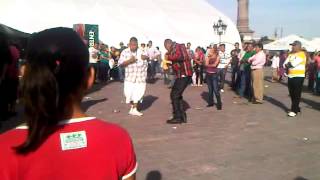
(296, 43)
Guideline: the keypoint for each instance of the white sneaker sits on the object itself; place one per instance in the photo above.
(292, 114)
(135, 112)
(222, 90)
(130, 111)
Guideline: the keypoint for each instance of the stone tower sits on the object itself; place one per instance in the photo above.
(243, 20)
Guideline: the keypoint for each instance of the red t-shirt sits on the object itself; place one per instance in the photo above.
(81, 149)
(317, 61)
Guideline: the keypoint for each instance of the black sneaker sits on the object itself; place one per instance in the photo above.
(175, 121)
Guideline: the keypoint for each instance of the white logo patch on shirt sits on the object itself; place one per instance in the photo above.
(73, 140)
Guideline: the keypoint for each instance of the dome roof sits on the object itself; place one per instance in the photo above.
(118, 20)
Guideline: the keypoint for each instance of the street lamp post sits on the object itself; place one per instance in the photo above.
(220, 28)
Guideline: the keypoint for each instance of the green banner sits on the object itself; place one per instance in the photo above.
(91, 34)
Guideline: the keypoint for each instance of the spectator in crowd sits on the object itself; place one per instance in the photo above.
(58, 138)
(257, 63)
(211, 64)
(94, 58)
(12, 79)
(153, 55)
(311, 71)
(114, 72)
(245, 73)
(198, 66)
(6, 60)
(166, 70)
(275, 67)
(235, 65)
(296, 67)
(225, 59)
(317, 63)
(121, 70)
(283, 57)
(104, 67)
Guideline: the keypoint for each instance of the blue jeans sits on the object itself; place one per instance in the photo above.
(213, 86)
(245, 84)
(120, 73)
(234, 77)
(222, 77)
(154, 68)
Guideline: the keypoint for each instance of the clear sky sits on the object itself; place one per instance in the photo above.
(294, 16)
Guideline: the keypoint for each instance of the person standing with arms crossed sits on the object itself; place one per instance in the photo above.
(296, 67)
(257, 63)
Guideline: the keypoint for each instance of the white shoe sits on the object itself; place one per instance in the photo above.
(292, 114)
(222, 90)
(130, 111)
(135, 112)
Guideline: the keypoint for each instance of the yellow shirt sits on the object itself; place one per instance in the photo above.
(298, 61)
(165, 63)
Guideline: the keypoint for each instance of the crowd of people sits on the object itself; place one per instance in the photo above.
(59, 68)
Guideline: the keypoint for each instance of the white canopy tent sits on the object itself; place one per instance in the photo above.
(118, 20)
(316, 43)
(284, 43)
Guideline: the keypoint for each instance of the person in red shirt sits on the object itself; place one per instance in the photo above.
(317, 63)
(59, 141)
(181, 65)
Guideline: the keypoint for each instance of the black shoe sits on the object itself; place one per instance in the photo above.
(175, 121)
(210, 105)
(184, 118)
(257, 102)
(219, 107)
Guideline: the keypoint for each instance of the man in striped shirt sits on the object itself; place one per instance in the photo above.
(225, 59)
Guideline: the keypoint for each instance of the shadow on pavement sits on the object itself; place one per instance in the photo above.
(87, 104)
(154, 175)
(300, 178)
(313, 104)
(276, 103)
(147, 102)
(205, 96)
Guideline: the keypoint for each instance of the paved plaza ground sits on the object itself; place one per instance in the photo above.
(241, 142)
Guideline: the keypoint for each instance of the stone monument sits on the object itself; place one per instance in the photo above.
(243, 20)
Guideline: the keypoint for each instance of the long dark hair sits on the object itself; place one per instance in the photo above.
(56, 69)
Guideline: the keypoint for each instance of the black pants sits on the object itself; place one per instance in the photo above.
(234, 77)
(295, 88)
(177, 90)
(199, 73)
(103, 71)
(222, 77)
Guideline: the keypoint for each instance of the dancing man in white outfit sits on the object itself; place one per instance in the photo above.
(135, 62)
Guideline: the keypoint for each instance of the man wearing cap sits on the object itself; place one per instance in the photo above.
(296, 66)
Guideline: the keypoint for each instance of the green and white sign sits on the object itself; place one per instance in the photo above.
(73, 140)
(91, 34)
